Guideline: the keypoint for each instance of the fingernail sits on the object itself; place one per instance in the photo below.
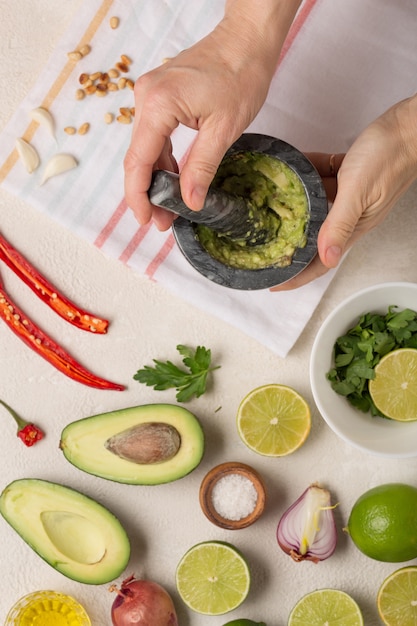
(197, 198)
(333, 256)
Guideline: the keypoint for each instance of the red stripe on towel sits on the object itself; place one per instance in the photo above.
(160, 257)
(108, 228)
(134, 243)
(297, 25)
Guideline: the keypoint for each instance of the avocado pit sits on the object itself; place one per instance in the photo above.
(148, 443)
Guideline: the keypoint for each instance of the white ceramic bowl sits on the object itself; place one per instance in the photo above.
(376, 435)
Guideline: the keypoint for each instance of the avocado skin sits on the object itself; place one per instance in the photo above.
(83, 444)
(27, 503)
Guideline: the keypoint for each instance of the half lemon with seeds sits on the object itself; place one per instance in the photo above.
(273, 420)
(331, 607)
(397, 598)
(394, 388)
(213, 578)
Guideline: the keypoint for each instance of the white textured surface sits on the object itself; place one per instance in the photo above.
(164, 521)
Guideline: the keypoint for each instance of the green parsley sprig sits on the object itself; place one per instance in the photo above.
(188, 382)
(357, 353)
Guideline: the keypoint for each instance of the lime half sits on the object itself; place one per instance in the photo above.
(213, 578)
(394, 388)
(397, 598)
(329, 607)
(273, 420)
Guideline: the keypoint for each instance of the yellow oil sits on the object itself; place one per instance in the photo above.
(48, 608)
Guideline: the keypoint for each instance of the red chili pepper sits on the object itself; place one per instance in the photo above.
(28, 432)
(48, 293)
(46, 347)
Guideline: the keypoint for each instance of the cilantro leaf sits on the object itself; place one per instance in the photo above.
(189, 381)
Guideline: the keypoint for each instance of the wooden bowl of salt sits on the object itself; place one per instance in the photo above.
(232, 495)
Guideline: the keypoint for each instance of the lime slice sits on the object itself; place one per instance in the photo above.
(330, 607)
(397, 598)
(394, 388)
(273, 420)
(213, 578)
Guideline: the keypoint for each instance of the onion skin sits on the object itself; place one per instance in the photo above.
(142, 603)
(307, 530)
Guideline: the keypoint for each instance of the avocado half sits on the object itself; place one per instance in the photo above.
(143, 445)
(73, 533)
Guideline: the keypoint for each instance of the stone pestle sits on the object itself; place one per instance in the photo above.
(226, 214)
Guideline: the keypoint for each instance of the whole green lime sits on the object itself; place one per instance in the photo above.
(383, 523)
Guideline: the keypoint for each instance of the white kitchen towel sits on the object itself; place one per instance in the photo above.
(342, 65)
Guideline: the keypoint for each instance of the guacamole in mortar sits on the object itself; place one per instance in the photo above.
(279, 204)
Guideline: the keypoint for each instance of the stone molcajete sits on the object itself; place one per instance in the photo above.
(273, 249)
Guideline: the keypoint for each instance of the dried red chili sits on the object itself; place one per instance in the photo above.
(26, 431)
(46, 347)
(64, 307)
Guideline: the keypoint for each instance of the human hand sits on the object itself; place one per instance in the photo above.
(376, 171)
(215, 87)
(202, 89)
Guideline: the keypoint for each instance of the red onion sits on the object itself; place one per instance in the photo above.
(307, 530)
(142, 603)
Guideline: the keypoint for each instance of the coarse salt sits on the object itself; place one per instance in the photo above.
(234, 497)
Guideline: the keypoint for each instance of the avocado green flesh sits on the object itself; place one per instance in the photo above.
(279, 204)
(84, 444)
(73, 533)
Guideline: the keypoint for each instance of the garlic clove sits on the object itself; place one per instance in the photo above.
(58, 164)
(27, 154)
(44, 118)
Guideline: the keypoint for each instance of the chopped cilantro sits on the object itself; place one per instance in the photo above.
(357, 353)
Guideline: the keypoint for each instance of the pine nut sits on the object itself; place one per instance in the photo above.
(83, 78)
(130, 84)
(75, 55)
(86, 49)
(108, 118)
(125, 59)
(123, 67)
(90, 90)
(84, 128)
(121, 83)
(70, 130)
(124, 119)
(114, 22)
(80, 94)
(113, 73)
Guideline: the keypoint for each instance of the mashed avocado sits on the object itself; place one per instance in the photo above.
(279, 204)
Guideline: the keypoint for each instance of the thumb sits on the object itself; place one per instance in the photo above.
(200, 168)
(338, 230)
